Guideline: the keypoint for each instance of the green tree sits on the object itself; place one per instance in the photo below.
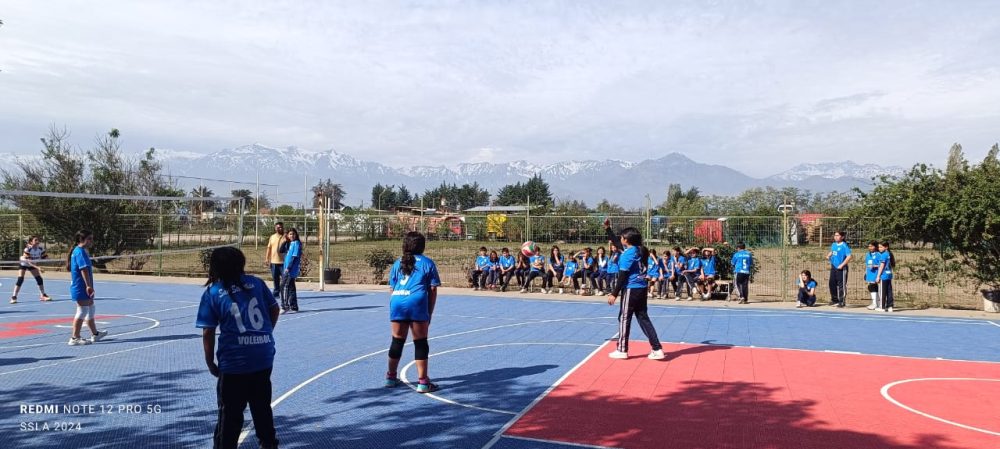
(683, 204)
(454, 197)
(517, 194)
(957, 210)
(287, 209)
(119, 226)
(328, 189)
(200, 206)
(608, 208)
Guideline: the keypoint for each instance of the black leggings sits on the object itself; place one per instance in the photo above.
(633, 302)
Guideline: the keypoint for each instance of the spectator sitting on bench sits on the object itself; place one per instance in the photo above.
(478, 273)
(709, 274)
(692, 273)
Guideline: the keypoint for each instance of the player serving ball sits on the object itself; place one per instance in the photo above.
(414, 281)
(633, 289)
(32, 253)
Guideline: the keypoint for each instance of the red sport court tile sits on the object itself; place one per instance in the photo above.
(736, 397)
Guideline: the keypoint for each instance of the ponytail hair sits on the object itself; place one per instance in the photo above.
(413, 244)
(78, 238)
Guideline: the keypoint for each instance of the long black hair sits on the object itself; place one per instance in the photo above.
(78, 238)
(892, 257)
(226, 264)
(552, 254)
(413, 244)
(634, 238)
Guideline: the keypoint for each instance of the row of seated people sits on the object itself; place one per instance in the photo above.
(694, 271)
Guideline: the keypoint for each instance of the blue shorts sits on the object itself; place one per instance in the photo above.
(409, 309)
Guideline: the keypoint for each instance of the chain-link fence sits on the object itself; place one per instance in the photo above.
(783, 246)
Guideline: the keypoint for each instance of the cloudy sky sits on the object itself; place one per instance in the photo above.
(758, 86)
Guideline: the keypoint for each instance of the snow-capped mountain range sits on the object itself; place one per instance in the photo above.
(288, 170)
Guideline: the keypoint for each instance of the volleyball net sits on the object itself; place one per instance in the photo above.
(161, 235)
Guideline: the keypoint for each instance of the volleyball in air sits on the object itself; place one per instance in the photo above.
(529, 248)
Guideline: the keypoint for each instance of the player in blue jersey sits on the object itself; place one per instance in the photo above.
(602, 271)
(612, 271)
(570, 272)
(522, 268)
(840, 257)
(886, 264)
(536, 268)
(709, 273)
(692, 273)
(742, 262)
(492, 271)
(243, 308)
(414, 281)
(507, 267)
(478, 272)
(290, 271)
(554, 271)
(633, 289)
(678, 263)
(871, 273)
(666, 273)
(807, 290)
(81, 289)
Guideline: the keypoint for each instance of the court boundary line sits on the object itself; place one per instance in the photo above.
(885, 394)
(156, 323)
(402, 372)
(562, 443)
(499, 434)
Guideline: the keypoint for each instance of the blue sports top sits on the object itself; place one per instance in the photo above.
(652, 267)
(570, 267)
(482, 262)
(293, 258)
(872, 260)
(410, 294)
(78, 261)
(679, 264)
(693, 263)
(840, 252)
(506, 261)
(708, 266)
(742, 261)
(811, 285)
(613, 262)
(539, 260)
(884, 258)
(243, 316)
(631, 262)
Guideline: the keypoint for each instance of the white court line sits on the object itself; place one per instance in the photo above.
(499, 434)
(993, 323)
(88, 358)
(560, 443)
(402, 372)
(312, 379)
(885, 394)
(156, 324)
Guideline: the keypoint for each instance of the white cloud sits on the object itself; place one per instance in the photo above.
(740, 83)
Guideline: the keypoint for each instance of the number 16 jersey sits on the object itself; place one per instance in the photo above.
(243, 316)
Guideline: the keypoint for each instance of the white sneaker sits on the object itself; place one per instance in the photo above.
(560, 290)
(524, 290)
(618, 355)
(889, 310)
(657, 355)
(871, 307)
(600, 293)
(282, 312)
(77, 341)
(799, 305)
(98, 336)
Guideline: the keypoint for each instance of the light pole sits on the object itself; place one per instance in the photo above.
(784, 209)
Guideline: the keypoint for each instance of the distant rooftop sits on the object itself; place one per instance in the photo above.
(498, 209)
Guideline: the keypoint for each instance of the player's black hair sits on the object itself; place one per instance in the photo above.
(226, 264)
(282, 224)
(892, 257)
(296, 231)
(807, 273)
(634, 238)
(741, 245)
(874, 243)
(493, 256)
(413, 244)
(78, 238)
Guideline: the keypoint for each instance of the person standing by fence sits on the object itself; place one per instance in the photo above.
(274, 257)
(887, 262)
(742, 262)
(291, 268)
(840, 257)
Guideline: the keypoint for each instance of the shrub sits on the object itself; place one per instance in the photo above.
(379, 260)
